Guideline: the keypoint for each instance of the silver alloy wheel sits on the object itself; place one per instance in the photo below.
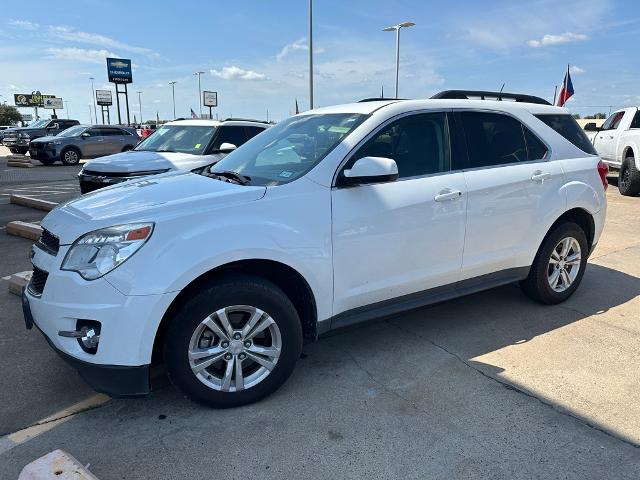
(71, 156)
(564, 264)
(234, 348)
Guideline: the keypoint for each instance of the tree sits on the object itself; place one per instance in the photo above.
(576, 116)
(9, 115)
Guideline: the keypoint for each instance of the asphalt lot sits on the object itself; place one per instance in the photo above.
(486, 386)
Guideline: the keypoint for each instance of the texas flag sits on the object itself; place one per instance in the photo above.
(566, 91)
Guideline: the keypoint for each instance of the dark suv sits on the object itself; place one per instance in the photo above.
(17, 139)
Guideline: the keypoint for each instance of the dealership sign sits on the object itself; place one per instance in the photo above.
(30, 99)
(103, 97)
(53, 102)
(210, 99)
(119, 70)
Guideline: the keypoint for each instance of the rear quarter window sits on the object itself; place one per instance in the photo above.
(567, 126)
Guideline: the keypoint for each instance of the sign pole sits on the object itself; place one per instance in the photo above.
(126, 98)
(118, 104)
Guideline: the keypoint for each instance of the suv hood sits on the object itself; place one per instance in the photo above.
(147, 200)
(47, 138)
(140, 161)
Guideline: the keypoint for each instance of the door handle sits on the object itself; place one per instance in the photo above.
(447, 194)
(540, 177)
(611, 137)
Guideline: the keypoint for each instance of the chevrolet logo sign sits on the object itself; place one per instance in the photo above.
(118, 64)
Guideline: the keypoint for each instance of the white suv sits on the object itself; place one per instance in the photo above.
(333, 217)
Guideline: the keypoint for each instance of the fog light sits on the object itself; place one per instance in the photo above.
(87, 333)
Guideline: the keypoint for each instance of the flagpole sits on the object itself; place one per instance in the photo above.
(555, 94)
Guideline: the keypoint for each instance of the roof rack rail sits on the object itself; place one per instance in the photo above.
(378, 99)
(482, 95)
(230, 119)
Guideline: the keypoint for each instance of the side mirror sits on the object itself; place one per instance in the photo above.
(591, 127)
(227, 147)
(85, 134)
(55, 126)
(370, 170)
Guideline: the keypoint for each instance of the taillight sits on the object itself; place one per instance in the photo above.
(603, 170)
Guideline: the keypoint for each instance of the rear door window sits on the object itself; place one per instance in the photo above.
(253, 131)
(567, 126)
(635, 123)
(536, 150)
(230, 134)
(492, 139)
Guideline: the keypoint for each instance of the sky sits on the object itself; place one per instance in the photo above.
(255, 52)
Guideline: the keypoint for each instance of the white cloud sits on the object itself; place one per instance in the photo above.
(24, 24)
(575, 70)
(567, 37)
(80, 54)
(13, 88)
(237, 73)
(300, 44)
(71, 34)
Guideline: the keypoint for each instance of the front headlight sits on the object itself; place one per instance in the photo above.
(55, 142)
(97, 253)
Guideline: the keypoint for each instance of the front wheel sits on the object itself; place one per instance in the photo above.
(70, 156)
(233, 343)
(559, 265)
(47, 161)
(629, 180)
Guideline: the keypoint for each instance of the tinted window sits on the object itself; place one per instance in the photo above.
(536, 150)
(252, 131)
(178, 137)
(613, 121)
(635, 123)
(567, 126)
(110, 132)
(230, 134)
(492, 139)
(94, 132)
(418, 143)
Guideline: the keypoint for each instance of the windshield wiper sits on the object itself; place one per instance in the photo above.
(163, 150)
(241, 179)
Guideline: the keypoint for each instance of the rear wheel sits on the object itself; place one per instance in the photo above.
(70, 156)
(629, 180)
(233, 343)
(559, 265)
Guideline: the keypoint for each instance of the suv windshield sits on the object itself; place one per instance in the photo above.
(192, 139)
(290, 149)
(72, 131)
(38, 123)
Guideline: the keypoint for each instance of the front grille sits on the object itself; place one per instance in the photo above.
(88, 186)
(38, 145)
(38, 280)
(49, 242)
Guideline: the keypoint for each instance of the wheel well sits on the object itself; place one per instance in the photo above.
(286, 278)
(626, 152)
(70, 147)
(581, 217)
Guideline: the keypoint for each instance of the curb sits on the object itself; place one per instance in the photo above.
(24, 230)
(18, 281)
(32, 202)
(56, 464)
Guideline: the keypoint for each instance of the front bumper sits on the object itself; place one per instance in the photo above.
(13, 142)
(47, 153)
(113, 380)
(120, 366)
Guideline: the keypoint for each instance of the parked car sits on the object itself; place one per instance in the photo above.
(83, 141)
(2, 130)
(618, 143)
(178, 145)
(332, 217)
(17, 139)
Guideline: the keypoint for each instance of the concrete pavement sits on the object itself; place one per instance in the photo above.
(487, 386)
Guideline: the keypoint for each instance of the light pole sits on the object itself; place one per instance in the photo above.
(93, 100)
(140, 105)
(396, 28)
(311, 54)
(199, 92)
(173, 94)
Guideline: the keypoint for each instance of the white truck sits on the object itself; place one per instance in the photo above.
(618, 144)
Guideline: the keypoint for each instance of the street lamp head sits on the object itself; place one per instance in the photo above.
(393, 28)
(407, 24)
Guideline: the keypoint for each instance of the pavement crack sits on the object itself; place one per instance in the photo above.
(510, 386)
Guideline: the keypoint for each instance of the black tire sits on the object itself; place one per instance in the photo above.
(47, 161)
(234, 290)
(70, 156)
(127, 148)
(13, 150)
(629, 180)
(22, 151)
(537, 285)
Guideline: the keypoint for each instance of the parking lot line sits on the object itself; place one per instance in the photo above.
(21, 436)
